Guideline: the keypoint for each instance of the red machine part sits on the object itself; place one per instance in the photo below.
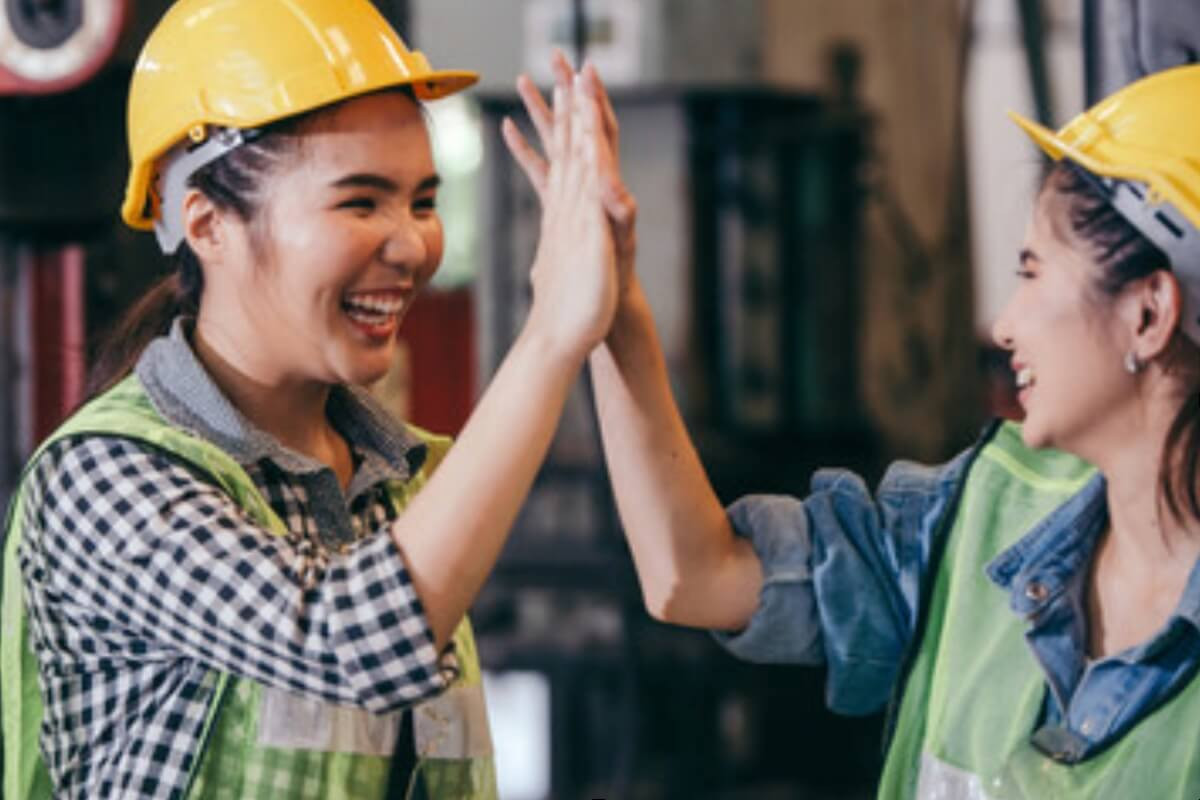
(440, 334)
(56, 335)
(49, 46)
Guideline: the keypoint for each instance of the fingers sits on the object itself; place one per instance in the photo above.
(564, 75)
(619, 205)
(543, 117)
(588, 125)
(618, 202)
(530, 161)
(539, 112)
(579, 135)
(611, 128)
(535, 106)
(560, 137)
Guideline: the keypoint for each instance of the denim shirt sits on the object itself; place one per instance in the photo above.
(842, 572)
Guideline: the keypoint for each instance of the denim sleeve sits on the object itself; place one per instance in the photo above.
(842, 571)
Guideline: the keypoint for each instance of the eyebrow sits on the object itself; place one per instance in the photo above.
(1027, 255)
(370, 180)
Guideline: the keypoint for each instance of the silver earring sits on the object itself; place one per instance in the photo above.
(1133, 364)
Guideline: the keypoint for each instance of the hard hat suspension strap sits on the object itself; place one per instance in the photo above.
(179, 164)
(1167, 229)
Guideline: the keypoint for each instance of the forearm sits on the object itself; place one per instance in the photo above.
(693, 570)
(452, 532)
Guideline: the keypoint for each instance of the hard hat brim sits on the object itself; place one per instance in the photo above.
(433, 85)
(1042, 136)
(1058, 148)
(1110, 159)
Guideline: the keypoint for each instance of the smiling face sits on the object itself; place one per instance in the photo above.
(1065, 339)
(314, 287)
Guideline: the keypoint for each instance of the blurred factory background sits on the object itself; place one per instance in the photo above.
(831, 201)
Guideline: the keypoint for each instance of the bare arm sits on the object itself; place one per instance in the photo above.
(693, 569)
(451, 534)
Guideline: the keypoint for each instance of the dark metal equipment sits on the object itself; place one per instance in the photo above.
(1126, 39)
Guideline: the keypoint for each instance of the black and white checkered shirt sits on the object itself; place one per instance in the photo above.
(141, 579)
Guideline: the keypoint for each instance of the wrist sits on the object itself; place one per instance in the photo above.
(633, 313)
(547, 349)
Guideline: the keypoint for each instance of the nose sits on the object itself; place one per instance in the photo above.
(405, 247)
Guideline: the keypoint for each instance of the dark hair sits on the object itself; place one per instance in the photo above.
(233, 183)
(1124, 255)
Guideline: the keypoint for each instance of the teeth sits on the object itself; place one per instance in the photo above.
(1024, 377)
(374, 303)
(367, 317)
(373, 309)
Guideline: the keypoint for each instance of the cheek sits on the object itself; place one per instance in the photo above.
(1048, 311)
(435, 246)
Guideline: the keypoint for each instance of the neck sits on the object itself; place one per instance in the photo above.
(289, 408)
(1142, 527)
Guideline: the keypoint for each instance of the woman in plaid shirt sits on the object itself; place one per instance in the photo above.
(188, 639)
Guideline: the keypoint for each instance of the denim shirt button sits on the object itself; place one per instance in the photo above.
(1036, 591)
(1086, 727)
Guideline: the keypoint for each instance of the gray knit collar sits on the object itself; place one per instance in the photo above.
(185, 395)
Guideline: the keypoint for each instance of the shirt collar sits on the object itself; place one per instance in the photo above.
(1045, 561)
(185, 395)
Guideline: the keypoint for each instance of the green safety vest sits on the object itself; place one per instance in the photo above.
(975, 690)
(258, 741)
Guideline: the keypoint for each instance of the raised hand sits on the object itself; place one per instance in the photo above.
(575, 283)
(619, 204)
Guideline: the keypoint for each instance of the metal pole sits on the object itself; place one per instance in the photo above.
(1091, 52)
(579, 30)
(1033, 30)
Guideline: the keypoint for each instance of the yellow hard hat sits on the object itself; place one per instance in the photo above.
(1147, 132)
(1142, 143)
(246, 63)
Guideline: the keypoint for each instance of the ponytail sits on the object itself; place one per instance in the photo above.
(149, 317)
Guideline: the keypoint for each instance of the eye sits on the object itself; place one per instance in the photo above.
(425, 203)
(1026, 274)
(360, 204)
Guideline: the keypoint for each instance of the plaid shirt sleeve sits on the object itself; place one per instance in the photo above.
(127, 538)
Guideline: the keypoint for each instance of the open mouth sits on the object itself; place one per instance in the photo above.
(1025, 378)
(375, 313)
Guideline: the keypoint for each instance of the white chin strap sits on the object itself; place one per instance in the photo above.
(174, 169)
(1170, 232)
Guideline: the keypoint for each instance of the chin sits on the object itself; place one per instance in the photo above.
(364, 374)
(359, 368)
(1034, 435)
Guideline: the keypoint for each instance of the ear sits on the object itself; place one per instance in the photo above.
(1157, 303)
(203, 227)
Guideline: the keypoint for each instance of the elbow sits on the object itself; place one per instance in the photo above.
(702, 599)
(666, 601)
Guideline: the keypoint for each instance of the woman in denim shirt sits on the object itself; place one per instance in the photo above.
(1094, 595)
